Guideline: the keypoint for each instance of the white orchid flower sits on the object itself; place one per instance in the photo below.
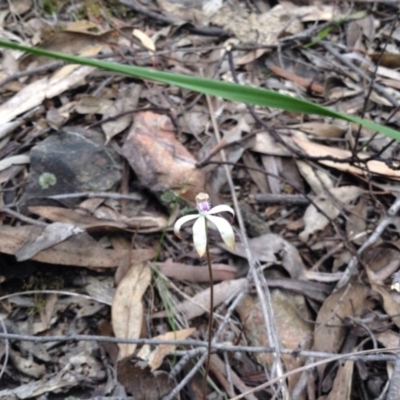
(204, 219)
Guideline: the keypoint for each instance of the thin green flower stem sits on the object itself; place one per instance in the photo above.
(211, 316)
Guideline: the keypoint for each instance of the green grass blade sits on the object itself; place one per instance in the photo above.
(226, 90)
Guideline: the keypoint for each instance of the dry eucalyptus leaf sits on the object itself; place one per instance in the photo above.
(323, 129)
(331, 204)
(159, 160)
(373, 166)
(127, 100)
(52, 234)
(93, 105)
(356, 223)
(390, 305)
(78, 250)
(127, 307)
(14, 160)
(258, 177)
(265, 144)
(190, 273)
(343, 382)
(290, 312)
(389, 338)
(318, 179)
(271, 248)
(36, 92)
(200, 303)
(329, 333)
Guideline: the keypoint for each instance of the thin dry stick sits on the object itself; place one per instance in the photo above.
(188, 342)
(210, 321)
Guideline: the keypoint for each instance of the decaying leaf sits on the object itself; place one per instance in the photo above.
(356, 224)
(331, 203)
(51, 235)
(34, 94)
(79, 218)
(372, 166)
(349, 301)
(102, 219)
(390, 304)
(322, 129)
(14, 160)
(318, 179)
(389, 338)
(159, 160)
(189, 273)
(127, 307)
(343, 382)
(200, 303)
(271, 248)
(79, 250)
(127, 100)
(290, 314)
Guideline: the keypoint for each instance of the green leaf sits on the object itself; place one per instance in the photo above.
(226, 90)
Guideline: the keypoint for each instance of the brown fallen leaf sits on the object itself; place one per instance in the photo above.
(159, 160)
(329, 333)
(389, 303)
(322, 129)
(36, 92)
(155, 357)
(298, 80)
(189, 273)
(200, 303)
(271, 248)
(331, 203)
(103, 219)
(79, 250)
(128, 98)
(127, 307)
(372, 166)
(51, 235)
(389, 338)
(77, 218)
(343, 382)
(290, 313)
(356, 224)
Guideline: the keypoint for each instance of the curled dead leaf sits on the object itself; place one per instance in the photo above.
(127, 307)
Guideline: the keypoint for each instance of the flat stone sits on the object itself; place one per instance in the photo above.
(71, 161)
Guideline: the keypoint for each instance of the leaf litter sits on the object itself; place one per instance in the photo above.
(95, 168)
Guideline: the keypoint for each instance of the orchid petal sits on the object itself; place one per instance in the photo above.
(225, 230)
(183, 220)
(221, 208)
(200, 235)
